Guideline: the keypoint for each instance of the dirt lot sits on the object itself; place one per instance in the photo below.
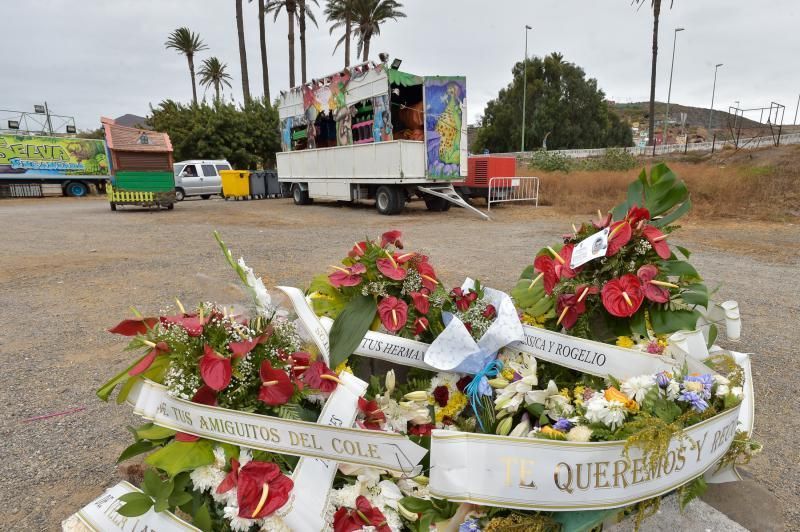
(71, 268)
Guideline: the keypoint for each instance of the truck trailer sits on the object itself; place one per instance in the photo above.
(72, 163)
(374, 132)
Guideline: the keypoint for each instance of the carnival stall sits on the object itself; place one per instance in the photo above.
(587, 392)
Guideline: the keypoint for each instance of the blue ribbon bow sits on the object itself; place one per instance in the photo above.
(480, 385)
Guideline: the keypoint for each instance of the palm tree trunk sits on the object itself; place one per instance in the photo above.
(302, 9)
(348, 28)
(216, 89)
(242, 52)
(262, 31)
(652, 124)
(291, 8)
(367, 38)
(190, 58)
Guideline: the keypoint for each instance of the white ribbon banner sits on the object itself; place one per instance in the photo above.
(313, 477)
(298, 438)
(309, 318)
(534, 474)
(597, 358)
(101, 515)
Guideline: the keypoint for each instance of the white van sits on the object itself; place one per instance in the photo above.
(198, 178)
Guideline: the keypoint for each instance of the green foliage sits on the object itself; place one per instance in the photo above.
(692, 490)
(178, 456)
(350, 327)
(157, 493)
(560, 101)
(663, 194)
(244, 135)
(550, 161)
(430, 511)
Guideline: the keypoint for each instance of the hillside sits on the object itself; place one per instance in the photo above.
(696, 117)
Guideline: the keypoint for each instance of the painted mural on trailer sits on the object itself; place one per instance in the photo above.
(444, 105)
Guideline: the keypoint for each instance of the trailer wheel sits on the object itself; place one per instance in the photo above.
(76, 189)
(113, 206)
(436, 204)
(170, 206)
(300, 196)
(388, 200)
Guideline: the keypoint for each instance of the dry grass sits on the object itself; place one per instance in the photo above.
(760, 184)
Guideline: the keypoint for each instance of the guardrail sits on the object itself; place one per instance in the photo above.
(746, 144)
(505, 189)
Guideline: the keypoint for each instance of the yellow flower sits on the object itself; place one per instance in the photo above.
(534, 321)
(507, 373)
(565, 392)
(624, 341)
(552, 433)
(453, 407)
(343, 367)
(612, 394)
(577, 393)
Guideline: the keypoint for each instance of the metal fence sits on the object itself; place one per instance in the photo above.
(751, 143)
(506, 189)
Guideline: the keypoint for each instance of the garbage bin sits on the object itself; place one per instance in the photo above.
(235, 183)
(258, 184)
(274, 189)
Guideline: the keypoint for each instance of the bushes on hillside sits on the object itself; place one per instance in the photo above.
(613, 159)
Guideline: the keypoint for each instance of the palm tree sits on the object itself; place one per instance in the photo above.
(262, 36)
(369, 15)
(212, 72)
(656, 5)
(340, 12)
(290, 6)
(242, 52)
(304, 10)
(188, 43)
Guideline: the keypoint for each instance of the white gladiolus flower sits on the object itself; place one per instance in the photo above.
(555, 404)
(390, 492)
(522, 428)
(390, 381)
(637, 387)
(259, 292)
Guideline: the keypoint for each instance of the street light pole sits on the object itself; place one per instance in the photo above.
(713, 90)
(796, 108)
(669, 92)
(524, 86)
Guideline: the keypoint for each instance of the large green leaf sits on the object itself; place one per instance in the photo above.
(178, 456)
(663, 194)
(668, 321)
(350, 327)
(136, 504)
(583, 521)
(678, 268)
(149, 431)
(135, 449)
(325, 298)
(695, 294)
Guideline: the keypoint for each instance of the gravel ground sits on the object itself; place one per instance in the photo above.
(72, 268)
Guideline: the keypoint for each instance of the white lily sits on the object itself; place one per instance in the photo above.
(554, 403)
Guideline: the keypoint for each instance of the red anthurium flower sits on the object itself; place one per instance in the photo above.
(157, 349)
(554, 267)
(276, 387)
(421, 301)
(656, 291)
(393, 313)
(134, 327)
(240, 349)
(231, 479)
(568, 308)
(373, 415)
(622, 297)
(320, 377)
(602, 221)
(204, 396)
(300, 362)
(404, 257)
(463, 299)
(428, 275)
(392, 237)
(364, 514)
(490, 312)
(421, 430)
(658, 240)
(350, 276)
(215, 369)
(390, 268)
(358, 250)
(637, 214)
(585, 290)
(261, 489)
(193, 325)
(421, 325)
(620, 235)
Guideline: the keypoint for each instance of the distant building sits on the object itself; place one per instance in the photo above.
(129, 120)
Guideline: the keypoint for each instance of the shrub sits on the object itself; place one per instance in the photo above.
(550, 161)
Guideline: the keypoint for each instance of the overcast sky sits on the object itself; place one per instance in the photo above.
(89, 58)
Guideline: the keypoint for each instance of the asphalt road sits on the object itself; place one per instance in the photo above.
(70, 268)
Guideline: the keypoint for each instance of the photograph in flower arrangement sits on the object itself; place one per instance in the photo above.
(237, 399)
